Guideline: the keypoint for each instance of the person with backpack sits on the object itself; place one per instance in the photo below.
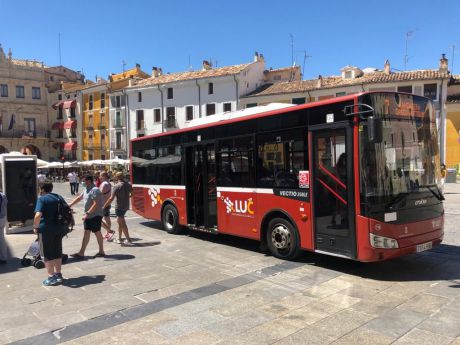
(92, 219)
(50, 230)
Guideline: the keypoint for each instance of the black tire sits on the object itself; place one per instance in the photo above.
(26, 262)
(39, 264)
(283, 239)
(170, 220)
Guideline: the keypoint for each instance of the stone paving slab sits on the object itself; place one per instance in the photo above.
(204, 289)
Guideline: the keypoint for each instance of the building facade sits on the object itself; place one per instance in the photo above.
(95, 121)
(431, 83)
(167, 102)
(23, 106)
(118, 114)
(453, 123)
(66, 122)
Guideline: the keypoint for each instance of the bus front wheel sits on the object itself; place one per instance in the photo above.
(282, 239)
(170, 219)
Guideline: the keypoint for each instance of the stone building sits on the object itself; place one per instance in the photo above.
(23, 106)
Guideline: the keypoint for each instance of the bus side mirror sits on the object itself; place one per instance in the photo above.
(374, 129)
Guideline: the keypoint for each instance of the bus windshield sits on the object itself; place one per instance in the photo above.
(405, 158)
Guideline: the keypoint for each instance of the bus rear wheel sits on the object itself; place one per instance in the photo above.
(282, 239)
(170, 220)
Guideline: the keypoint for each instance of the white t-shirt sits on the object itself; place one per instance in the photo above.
(72, 178)
(41, 178)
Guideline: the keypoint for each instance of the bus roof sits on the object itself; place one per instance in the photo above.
(252, 113)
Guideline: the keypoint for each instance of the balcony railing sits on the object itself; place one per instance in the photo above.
(22, 132)
(171, 122)
(102, 126)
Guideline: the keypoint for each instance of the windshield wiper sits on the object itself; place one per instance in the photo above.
(396, 199)
(438, 195)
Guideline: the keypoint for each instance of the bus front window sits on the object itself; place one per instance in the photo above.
(407, 158)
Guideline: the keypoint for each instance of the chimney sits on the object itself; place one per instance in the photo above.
(319, 83)
(386, 67)
(443, 64)
(206, 65)
(10, 54)
(256, 56)
(130, 82)
(138, 66)
(156, 72)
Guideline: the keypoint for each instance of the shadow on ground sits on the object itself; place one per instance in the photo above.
(83, 281)
(441, 263)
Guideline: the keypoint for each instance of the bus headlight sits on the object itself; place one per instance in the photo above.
(383, 242)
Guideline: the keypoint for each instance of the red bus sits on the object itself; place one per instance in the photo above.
(356, 177)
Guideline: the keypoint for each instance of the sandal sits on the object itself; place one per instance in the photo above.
(99, 255)
(77, 256)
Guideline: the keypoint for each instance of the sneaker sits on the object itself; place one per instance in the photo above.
(58, 277)
(50, 281)
(109, 235)
(118, 241)
(127, 242)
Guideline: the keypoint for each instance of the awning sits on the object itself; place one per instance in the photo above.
(70, 124)
(57, 125)
(69, 104)
(58, 104)
(72, 146)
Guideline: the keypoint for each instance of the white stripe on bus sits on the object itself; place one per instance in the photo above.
(245, 190)
(158, 186)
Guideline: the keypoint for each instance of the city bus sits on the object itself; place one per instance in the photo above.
(356, 176)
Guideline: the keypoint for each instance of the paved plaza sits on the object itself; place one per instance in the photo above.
(204, 289)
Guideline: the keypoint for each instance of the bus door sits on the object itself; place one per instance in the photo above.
(201, 185)
(332, 193)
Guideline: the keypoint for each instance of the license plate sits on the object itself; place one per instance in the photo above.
(424, 246)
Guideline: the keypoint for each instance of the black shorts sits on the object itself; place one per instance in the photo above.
(50, 246)
(107, 212)
(93, 224)
(120, 213)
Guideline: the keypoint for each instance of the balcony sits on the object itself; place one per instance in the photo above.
(171, 122)
(101, 126)
(118, 124)
(22, 132)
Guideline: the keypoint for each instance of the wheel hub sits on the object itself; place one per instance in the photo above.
(281, 237)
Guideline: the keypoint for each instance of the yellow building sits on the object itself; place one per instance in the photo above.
(97, 111)
(453, 123)
(95, 121)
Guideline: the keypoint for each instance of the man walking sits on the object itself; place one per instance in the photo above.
(49, 232)
(122, 192)
(106, 189)
(72, 180)
(92, 219)
(3, 249)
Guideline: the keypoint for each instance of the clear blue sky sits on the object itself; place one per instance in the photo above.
(97, 35)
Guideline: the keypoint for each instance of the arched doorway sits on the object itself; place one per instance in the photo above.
(31, 149)
(3, 149)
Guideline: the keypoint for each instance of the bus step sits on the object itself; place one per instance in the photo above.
(213, 230)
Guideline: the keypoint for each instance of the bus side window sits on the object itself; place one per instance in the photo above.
(281, 155)
(235, 162)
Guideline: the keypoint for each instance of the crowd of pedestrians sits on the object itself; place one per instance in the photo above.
(97, 195)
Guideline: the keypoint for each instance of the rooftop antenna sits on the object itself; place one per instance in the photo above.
(189, 63)
(123, 63)
(292, 49)
(305, 57)
(59, 41)
(406, 56)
